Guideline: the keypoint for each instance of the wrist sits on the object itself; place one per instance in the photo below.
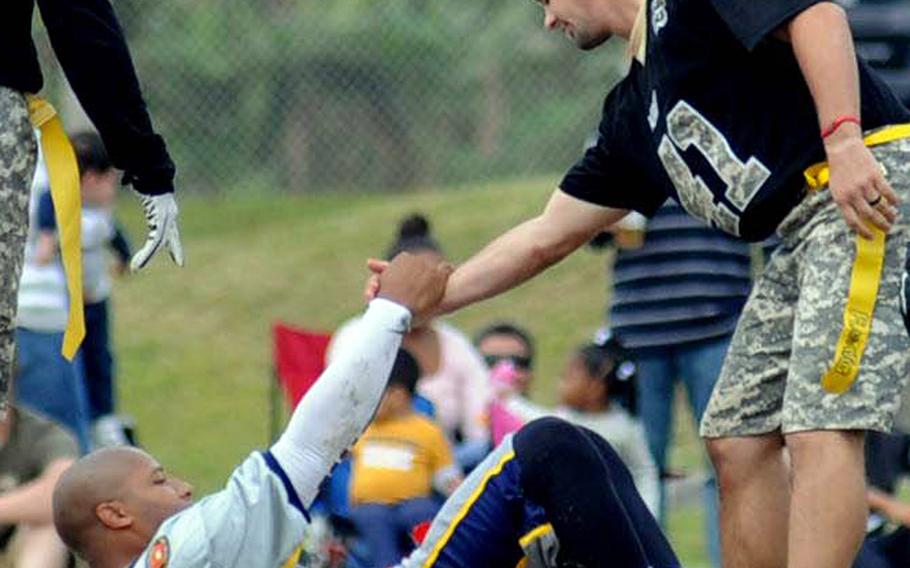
(847, 133)
(837, 126)
(391, 313)
(155, 183)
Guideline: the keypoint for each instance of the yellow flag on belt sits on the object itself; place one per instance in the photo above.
(865, 278)
(63, 172)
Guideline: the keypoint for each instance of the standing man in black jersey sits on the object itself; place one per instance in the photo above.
(753, 115)
(91, 48)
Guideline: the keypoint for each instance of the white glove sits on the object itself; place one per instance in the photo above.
(161, 216)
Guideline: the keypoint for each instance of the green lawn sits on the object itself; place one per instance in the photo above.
(194, 344)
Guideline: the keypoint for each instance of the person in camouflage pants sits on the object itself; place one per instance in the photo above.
(795, 314)
(18, 154)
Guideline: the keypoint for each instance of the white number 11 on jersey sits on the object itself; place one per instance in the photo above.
(686, 127)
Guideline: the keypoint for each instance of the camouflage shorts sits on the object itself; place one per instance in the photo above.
(18, 152)
(788, 332)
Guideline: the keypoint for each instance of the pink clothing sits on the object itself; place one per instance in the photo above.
(459, 390)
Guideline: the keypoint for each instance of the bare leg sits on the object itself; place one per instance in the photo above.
(828, 506)
(754, 487)
(39, 547)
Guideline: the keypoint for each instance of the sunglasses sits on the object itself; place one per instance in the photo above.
(523, 363)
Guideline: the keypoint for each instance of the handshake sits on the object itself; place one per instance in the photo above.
(412, 281)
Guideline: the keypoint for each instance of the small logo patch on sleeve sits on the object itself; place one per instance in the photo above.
(160, 554)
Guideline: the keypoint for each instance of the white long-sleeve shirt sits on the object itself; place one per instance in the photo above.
(260, 517)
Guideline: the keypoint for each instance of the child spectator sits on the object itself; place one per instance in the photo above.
(100, 232)
(48, 384)
(398, 463)
(597, 391)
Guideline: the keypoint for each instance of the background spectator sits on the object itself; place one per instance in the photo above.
(100, 234)
(887, 549)
(33, 453)
(503, 341)
(48, 383)
(597, 391)
(401, 459)
(454, 377)
(887, 464)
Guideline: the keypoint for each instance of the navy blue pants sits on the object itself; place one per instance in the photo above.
(97, 361)
(889, 551)
(553, 492)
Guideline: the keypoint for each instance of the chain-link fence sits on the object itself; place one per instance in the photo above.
(313, 95)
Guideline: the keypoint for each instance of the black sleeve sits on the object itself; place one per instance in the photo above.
(605, 177)
(89, 43)
(752, 20)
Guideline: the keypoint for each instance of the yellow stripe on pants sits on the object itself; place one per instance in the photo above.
(63, 172)
(864, 281)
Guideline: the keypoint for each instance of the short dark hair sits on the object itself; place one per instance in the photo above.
(91, 154)
(511, 330)
(405, 372)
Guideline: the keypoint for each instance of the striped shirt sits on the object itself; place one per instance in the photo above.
(688, 282)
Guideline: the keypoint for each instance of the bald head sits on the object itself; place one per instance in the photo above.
(115, 497)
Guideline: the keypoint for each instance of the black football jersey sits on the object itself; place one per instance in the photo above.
(719, 117)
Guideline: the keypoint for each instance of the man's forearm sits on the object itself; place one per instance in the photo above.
(339, 406)
(824, 49)
(30, 504)
(527, 250)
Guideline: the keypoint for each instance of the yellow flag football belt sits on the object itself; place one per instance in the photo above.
(63, 173)
(864, 281)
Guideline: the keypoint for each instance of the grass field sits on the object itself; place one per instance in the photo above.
(194, 344)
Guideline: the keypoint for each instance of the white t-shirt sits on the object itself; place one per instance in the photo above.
(253, 522)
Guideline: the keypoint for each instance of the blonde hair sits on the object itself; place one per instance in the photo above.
(638, 36)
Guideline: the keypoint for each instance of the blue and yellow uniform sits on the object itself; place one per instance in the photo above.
(551, 495)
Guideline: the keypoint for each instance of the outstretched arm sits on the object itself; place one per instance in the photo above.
(336, 410)
(565, 224)
(340, 405)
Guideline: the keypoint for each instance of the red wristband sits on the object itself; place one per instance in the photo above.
(838, 122)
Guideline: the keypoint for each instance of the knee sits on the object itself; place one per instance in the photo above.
(735, 457)
(545, 439)
(546, 446)
(816, 449)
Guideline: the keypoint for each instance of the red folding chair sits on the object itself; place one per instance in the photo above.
(298, 358)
